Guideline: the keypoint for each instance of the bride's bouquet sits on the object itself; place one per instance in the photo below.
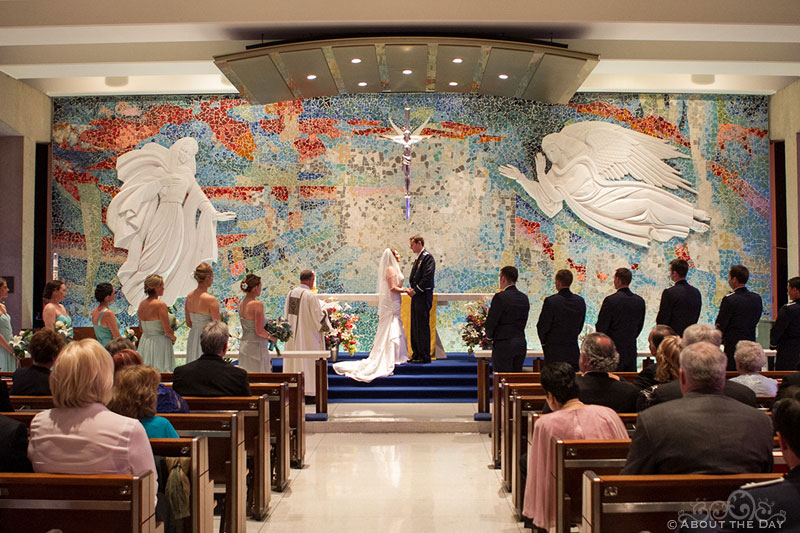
(473, 332)
(343, 330)
(280, 329)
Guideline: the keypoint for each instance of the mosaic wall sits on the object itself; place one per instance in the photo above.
(314, 185)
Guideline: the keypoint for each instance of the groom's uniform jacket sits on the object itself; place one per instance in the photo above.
(421, 278)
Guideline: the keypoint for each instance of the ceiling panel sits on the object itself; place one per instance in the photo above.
(258, 80)
(413, 57)
(354, 73)
(303, 63)
(505, 62)
(461, 73)
(556, 79)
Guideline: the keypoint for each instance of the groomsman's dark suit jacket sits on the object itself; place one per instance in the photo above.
(13, 446)
(421, 280)
(701, 433)
(621, 317)
(785, 337)
(738, 316)
(782, 495)
(210, 375)
(680, 307)
(560, 323)
(505, 326)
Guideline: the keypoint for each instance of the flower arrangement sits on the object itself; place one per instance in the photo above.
(130, 334)
(20, 343)
(473, 332)
(343, 330)
(280, 329)
(172, 313)
(64, 330)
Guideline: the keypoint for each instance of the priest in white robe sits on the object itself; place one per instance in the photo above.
(309, 323)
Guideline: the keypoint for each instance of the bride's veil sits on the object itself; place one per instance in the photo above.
(384, 294)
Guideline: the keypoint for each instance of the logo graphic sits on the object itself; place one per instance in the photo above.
(740, 511)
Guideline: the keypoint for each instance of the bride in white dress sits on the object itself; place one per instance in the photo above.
(390, 347)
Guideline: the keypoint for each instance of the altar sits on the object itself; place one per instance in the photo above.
(439, 298)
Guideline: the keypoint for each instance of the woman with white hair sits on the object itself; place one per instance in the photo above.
(750, 359)
(80, 435)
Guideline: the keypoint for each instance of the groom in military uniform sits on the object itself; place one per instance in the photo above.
(421, 292)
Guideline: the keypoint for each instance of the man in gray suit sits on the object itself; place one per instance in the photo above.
(704, 432)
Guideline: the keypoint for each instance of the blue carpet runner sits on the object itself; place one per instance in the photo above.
(451, 380)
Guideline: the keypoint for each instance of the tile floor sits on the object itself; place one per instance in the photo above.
(394, 482)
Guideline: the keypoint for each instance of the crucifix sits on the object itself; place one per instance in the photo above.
(406, 138)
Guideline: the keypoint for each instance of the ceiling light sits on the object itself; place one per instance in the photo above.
(453, 83)
(355, 60)
(503, 76)
(457, 60)
(362, 84)
(408, 71)
(311, 77)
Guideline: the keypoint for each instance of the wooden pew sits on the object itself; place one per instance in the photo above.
(635, 503)
(255, 411)
(499, 381)
(521, 404)
(226, 458)
(510, 390)
(31, 403)
(201, 488)
(85, 503)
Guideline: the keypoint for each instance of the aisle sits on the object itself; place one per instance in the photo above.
(393, 482)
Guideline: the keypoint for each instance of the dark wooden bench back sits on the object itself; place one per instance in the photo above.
(522, 408)
(85, 503)
(638, 503)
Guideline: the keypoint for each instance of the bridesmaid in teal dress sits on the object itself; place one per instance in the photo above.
(7, 361)
(155, 346)
(54, 293)
(200, 308)
(104, 322)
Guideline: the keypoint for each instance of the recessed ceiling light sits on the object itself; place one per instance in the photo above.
(311, 77)
(355, 60)
(408, 71)
(362, 84)
(503, 76)
(457, 60)
(453, 83)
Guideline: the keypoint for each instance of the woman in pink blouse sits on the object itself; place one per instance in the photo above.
(80, 435)
(570, 420)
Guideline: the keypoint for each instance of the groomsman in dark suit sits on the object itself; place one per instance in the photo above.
(680, 304)
(785, 333)
(739, 313)
(621, 317)
(561, 321)
(421, 292)
(505, 324)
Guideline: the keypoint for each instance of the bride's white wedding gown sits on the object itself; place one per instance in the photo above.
(389, 347)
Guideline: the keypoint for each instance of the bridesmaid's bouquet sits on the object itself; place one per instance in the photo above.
(280, 329)
(63, 330)
(20, 343)
(473, 332)
(173, 320)
(130, 334)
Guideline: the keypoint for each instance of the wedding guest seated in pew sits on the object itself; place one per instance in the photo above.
(598, 357)
(667, 369)
(792, 380)
(124, 353)
(210, 375)
(704, 432)
(80, 435)
(34, 380)
(750, 359)
(5, 403)
(783, 494)
(13, 446)
(134, 395)
(647, 377)
(570, 419)
(710, 334)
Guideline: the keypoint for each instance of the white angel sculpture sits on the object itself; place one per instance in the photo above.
(155, 217)
(589, 162)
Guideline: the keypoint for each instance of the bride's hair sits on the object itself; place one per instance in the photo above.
(396, 254)
(249, 282)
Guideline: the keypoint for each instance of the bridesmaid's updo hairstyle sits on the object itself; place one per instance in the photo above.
(202, 272)
(50, 287)
(152, 283)
(250, 282)
(103, 291)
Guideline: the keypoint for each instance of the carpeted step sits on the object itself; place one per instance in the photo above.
(430, 380)
(410, 393)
